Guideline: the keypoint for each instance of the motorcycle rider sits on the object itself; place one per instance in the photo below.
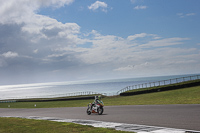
(96, 101)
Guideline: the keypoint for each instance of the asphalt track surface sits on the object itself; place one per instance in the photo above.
(171, 116)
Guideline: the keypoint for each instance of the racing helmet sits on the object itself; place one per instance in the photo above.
(99, 97)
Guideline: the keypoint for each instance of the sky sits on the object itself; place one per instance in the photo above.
(70, 40)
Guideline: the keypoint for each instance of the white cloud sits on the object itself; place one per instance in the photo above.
(10, 54)
(140, 7)
(23, 12)
(35, 51)
(160, 61)
(97, 5)
(132, 67)
(142, 35)
(46, 27)
(133, 37)
(164, 42)
(126, 68)
(122, 50)
(182, 15)
(12, 11)
(133, 1)
(190, 14)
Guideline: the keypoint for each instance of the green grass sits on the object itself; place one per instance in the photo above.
(19, 125)
(189, 95)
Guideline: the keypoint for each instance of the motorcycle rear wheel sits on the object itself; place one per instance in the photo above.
(100, 111)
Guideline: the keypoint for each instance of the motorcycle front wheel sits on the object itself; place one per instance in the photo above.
(88, 111)
(100, 110)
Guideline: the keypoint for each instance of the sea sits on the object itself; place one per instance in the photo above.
(69, 88)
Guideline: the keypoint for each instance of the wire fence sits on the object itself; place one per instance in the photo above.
(159, 83)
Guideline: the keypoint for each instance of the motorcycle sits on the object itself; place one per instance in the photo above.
(95, 108)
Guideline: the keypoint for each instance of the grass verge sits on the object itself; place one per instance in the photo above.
(188, 95)
(19, 125)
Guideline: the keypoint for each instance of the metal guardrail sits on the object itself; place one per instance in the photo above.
(8, 101)
(159, 83)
